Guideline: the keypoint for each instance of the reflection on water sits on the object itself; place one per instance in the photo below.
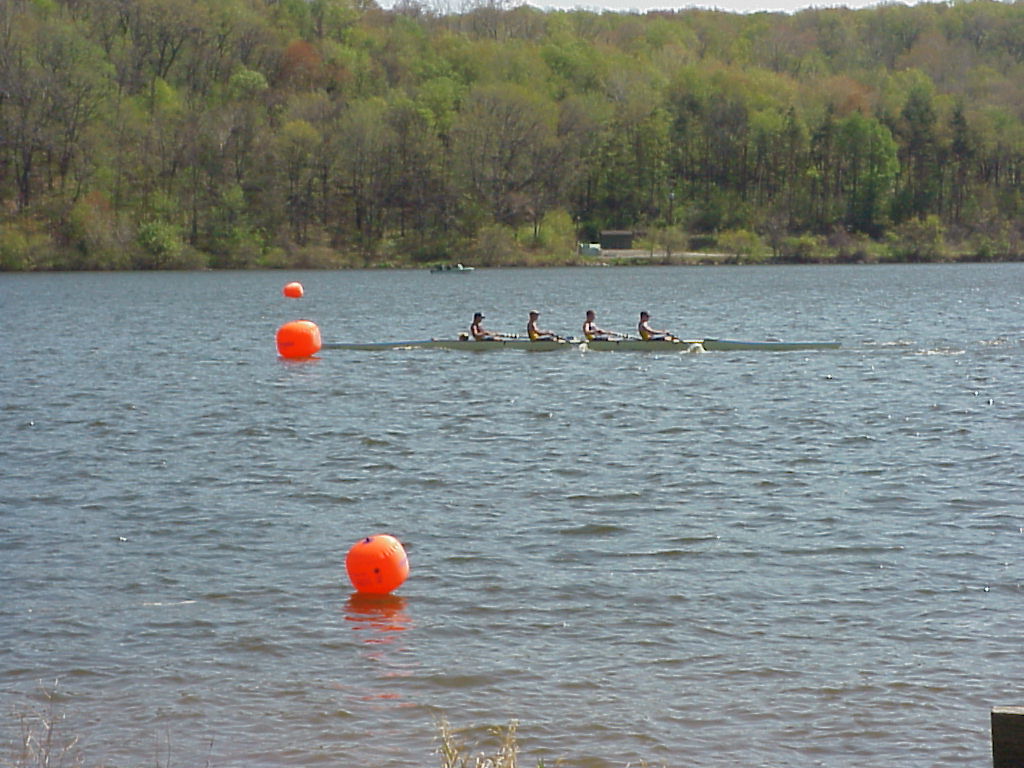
(381, 622)
(378, 617)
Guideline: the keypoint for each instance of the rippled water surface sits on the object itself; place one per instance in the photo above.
(726, 559)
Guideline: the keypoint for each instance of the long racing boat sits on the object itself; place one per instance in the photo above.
(470, 345)
(616, 345)
(639, 345)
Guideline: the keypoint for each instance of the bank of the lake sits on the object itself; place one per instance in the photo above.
(46, 260)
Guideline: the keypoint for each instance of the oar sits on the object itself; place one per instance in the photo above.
(554, 337)
(500, 337)
(667, 337)
(613, 336)
(616, 336)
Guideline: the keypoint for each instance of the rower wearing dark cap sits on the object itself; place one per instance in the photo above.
(477, 331)
(650, 334)
(591, 331)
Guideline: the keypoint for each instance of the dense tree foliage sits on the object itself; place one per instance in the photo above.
(232, 133)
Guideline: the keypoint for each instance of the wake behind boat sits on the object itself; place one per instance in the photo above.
(725, 345)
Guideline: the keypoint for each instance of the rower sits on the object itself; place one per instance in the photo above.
(650, 334)
(476, 330)
(535, 333)
(591, 332)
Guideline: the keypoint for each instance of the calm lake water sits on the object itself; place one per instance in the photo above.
(727, 559)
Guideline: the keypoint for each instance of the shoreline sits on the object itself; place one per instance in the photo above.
(608, 259)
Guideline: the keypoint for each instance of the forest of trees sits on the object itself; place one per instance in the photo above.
(147, 134)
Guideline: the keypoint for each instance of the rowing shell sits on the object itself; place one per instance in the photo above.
(617, 345)
(465, 344)
(639, 345)
(705, 345)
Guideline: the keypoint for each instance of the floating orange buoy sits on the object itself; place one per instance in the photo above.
(377, 564)
(299, 338)
(293, 290)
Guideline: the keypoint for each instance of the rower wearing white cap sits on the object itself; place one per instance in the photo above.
(535, 333)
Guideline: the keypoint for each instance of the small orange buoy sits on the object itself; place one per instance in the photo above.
(293, 290)
(377, 564)
(298, 339)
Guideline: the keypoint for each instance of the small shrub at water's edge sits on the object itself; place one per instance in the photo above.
(454, 754)
(505, 754)
(918, 240)
(744, 246)
(43, 743)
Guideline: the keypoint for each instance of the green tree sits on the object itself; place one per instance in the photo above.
(503, 148)
(869, 173)
(823, 174)
(365, 174)
(633, 168)
(961, 157)
(420, 198)
(297, 143)
(919, 189)
(53, 87)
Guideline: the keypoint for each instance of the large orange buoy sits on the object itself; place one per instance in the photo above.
(293, 290)
(299, 338)
(377, 564)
